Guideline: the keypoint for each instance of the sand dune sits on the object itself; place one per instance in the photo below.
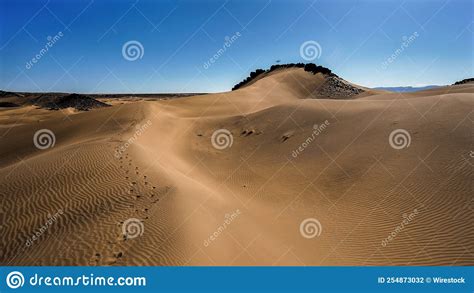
(284, 155)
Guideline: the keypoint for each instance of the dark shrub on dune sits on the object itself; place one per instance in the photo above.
(256, 73)
(313, 68)
(288, 65)
(464, 81)
(252, 76)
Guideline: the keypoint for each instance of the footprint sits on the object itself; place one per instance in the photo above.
(247, 132)
(94, 259)
(287, 135)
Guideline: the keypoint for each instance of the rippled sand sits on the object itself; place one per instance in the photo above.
(154, 170)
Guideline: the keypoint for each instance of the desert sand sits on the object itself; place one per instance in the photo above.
(240, 198)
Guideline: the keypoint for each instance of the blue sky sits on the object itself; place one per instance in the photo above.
(372, 43)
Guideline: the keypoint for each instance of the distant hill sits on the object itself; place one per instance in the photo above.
(8, 94)
(309, 67)
(329, 85)
(8, 105)
(407, 89)
(76, 101)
